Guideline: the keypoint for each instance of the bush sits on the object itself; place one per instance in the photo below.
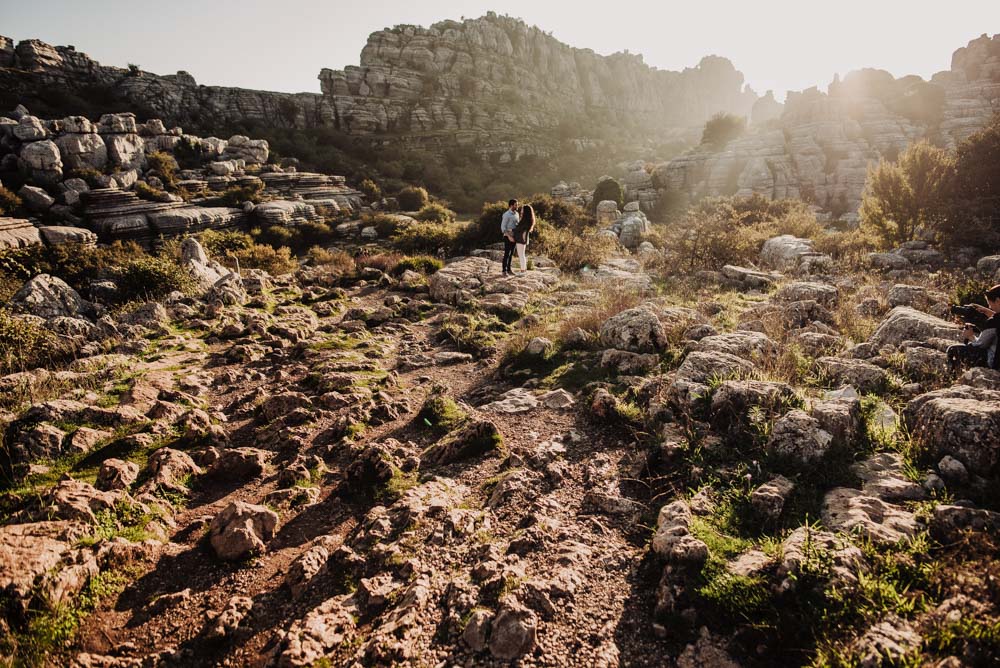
(384, 262)
(165, 167)
(337, 261)
(973, 220)
(151, 278)
(149, 193)
(722, 129)
(608, 189)
(431, 238)
(572, 252)
(385, 224)
(220, 244)
(238, 195)
(424, 264)
(23, 345)
(435, 213)
(90, 175)
(904, 196)
(728, 230)
(412, 198)
(188, 154)
(560, 213)
(9, 202)
(371, 190)
(275, 261)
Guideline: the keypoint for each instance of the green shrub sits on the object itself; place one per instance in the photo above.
(371, 190)
(904, 196)
(337, 260)
(275, 261)
(561, 214)
(412, 198)
(9, 202)
(430, 238)
(608, 189)
(239, 195)
(92, 177)
(435, 213)
(441, 414)
(188, 154)
(165, 166)
(424, 264)
(148, 192)
(220, 244)
(722, 129)
(151, 278)
(23, 345)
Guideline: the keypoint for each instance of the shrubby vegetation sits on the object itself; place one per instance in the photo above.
(23, 345)
(435, 213)
(729, 230)
(927, 191)
(608, 189)
(9, 202)
(412, 198)
(722, 129)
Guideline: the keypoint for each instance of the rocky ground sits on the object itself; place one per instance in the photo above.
(760, 466)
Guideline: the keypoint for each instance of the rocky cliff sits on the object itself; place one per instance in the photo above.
(493, 82)
(820, 145)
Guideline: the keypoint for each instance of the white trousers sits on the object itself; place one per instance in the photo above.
(522, 256)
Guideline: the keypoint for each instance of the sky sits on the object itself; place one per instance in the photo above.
(282, 45)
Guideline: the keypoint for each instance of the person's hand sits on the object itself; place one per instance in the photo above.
(968, 334)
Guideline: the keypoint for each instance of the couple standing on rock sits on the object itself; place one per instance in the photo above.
(515, 226)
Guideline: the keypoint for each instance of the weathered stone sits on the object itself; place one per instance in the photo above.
(799, 437)
(49, 296)
(513, 631)
(636, 330)
(241, 530)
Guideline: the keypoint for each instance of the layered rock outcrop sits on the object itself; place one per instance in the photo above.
(493, 81)
(820, 146)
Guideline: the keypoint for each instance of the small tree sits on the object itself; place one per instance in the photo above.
(412, 198)
(975, 219)
(904, 196)
(371, 190)
(722, 129)
(608, 188)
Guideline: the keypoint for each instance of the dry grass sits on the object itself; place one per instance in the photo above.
(611, 301)
(384, 262)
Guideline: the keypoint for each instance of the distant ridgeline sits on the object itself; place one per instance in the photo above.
(818, 146)
(493, 83)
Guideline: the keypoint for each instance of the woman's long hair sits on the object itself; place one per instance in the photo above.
(528, 217)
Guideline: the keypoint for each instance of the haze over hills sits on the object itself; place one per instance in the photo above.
(504, 90)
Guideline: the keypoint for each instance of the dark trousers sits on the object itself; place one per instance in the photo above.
(963, 356)
(508, 253)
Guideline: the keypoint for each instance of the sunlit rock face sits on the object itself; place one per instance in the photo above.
(820, 146)
(493, 82)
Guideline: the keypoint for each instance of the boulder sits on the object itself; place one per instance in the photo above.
(850, 510)
(798, 291)
(907, 324)
(768, 500)
(325, 628)
(36, 199)
(799, 437)
(83, 151)
(672, 540)
(41, 162)
(744, 344)
(866, 377)
(636, 330)
(699, 368)
(960, 421)
(784, 252)
(116, 474)
(513, 631)
(241, 530)
(734, 401)
(48, 297)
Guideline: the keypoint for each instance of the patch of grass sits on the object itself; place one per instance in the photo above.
(50, 632)
(479, 334)
(441, 414)
(125, 520)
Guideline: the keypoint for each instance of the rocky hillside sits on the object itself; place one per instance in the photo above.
(118, 180)
(492, 82)
(360, 464)
(818, 147)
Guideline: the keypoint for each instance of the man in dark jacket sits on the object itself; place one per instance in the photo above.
(980, 349)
